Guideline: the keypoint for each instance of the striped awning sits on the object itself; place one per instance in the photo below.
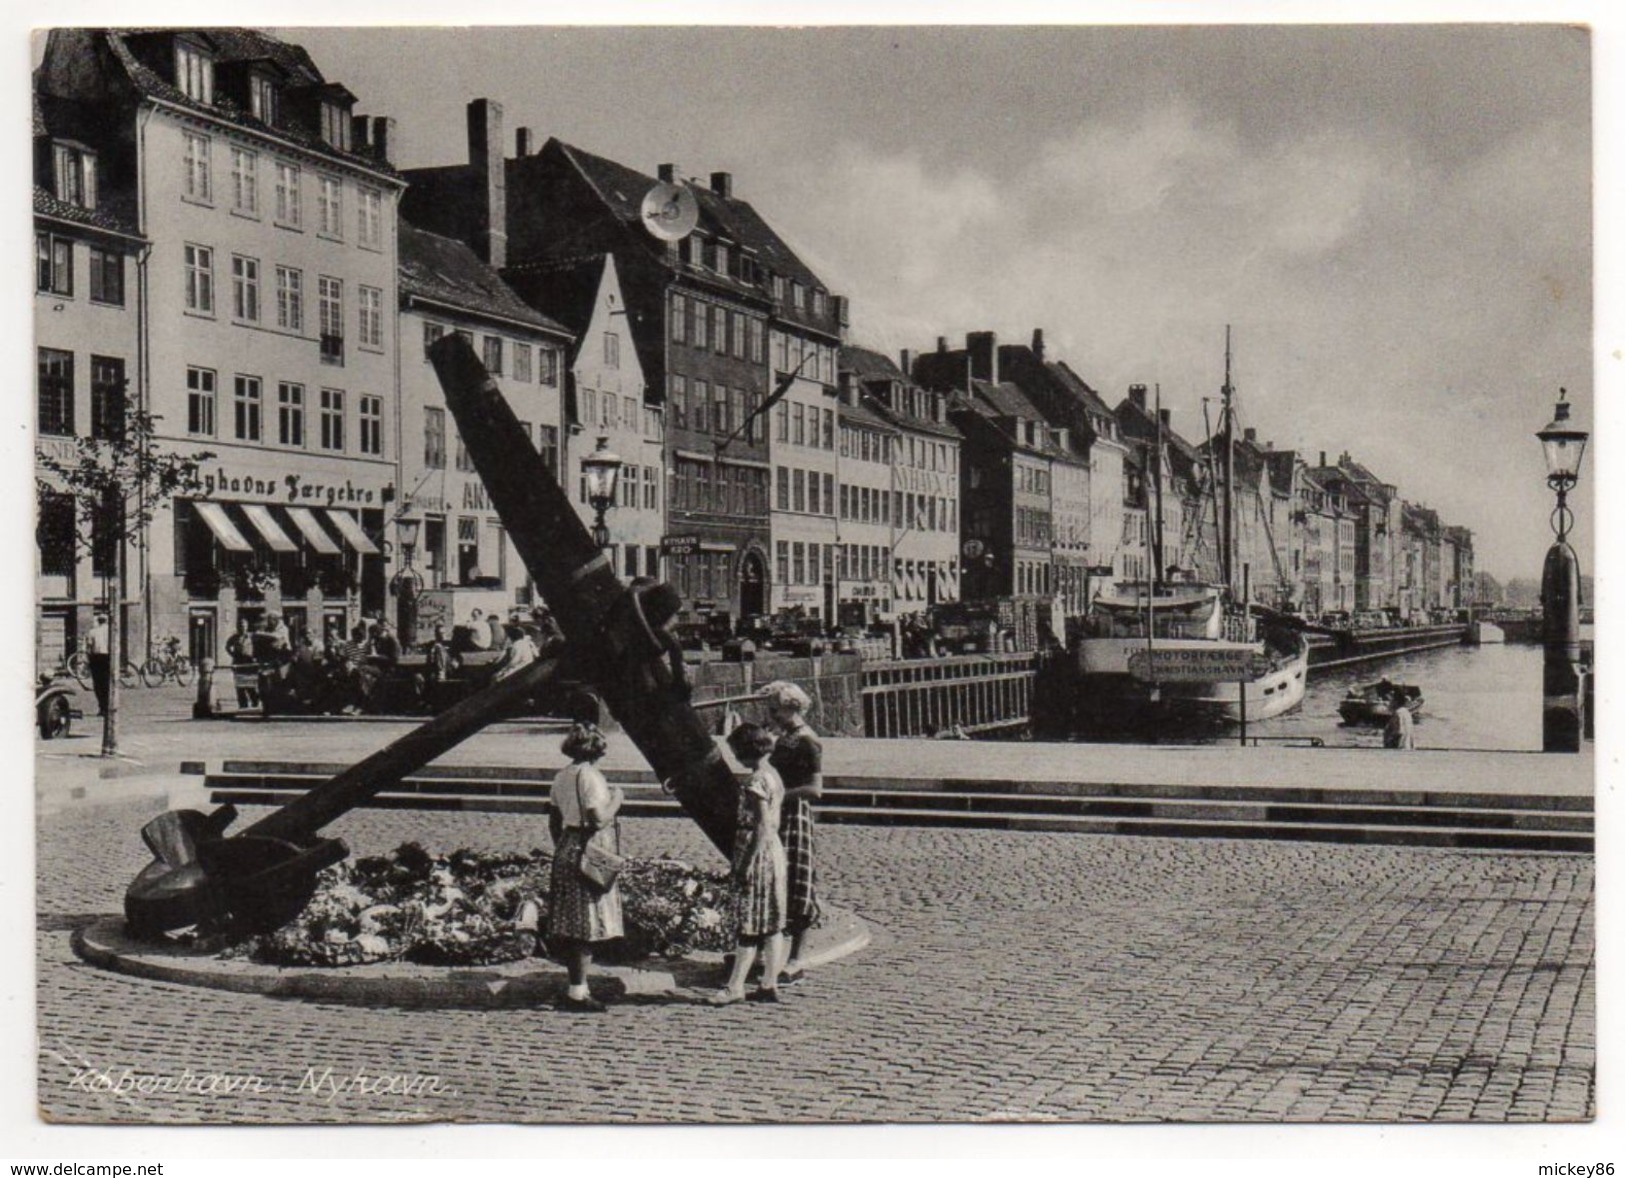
(220, 524)
(268, 528)
(311, 529)
(352, 533)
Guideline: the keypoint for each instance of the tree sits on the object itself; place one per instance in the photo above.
(118, 478)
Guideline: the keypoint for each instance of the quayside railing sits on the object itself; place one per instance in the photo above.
(964, 695)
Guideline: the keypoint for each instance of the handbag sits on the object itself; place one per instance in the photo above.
(599, 866)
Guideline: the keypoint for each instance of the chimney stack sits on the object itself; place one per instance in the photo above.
(521, 142)
(1166, 416)
(667, 173)
(983, 348)
(1323, 458)
(361, 134)
(942, 343)
(1136, 394)
(1250, 435)
(384, 142)
(1038, 342)
(905, 361)
(490, 171)
(722, 183)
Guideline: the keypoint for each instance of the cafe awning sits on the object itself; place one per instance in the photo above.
(352, 533)
(220, 524)
(260, 517)
(315, 535)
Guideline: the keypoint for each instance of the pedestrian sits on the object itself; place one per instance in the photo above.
(101, 660)
(1400, 731)
(385, 646)
(497, 631)
(438, 656)
(479, 634)
(799, 758)
(276, 641)
(521, 651)
(240, 647)
(580, 913)
(758, 870)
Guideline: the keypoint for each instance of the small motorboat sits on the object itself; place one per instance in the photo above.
(1374, 703)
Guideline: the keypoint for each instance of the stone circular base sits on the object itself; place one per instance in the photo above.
(530, 982)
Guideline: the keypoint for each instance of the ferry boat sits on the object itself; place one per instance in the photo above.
(1172, 651)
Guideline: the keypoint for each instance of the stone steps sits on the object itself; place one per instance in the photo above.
(1417, 818)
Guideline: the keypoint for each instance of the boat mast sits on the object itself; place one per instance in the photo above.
(1227, 422)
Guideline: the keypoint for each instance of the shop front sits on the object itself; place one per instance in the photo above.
(309, 549)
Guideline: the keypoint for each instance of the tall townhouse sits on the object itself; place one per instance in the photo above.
(920, 475)
(1178, 515)
(270, 212)
(88, 266)
(606, 404)
(1374, 506)
(802, 446)
(463, 554)
(1259, 517)
(1317, 532)
(1457, 570)
(699, 310)
(867, 584)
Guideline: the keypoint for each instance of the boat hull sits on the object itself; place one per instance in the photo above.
(1115, 699)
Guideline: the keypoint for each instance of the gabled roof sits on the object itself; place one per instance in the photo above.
(448, 272)
(868, 364)
(622, 190)
(1281, 463)
(113, 216)
(566, 291)
(229, 45)
(865, 413)
(867, 367)
(1007, 400)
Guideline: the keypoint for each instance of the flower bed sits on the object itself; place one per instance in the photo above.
(479, 908)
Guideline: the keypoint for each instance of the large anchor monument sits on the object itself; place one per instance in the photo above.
(616, 639)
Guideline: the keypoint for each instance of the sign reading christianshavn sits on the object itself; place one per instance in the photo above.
(1192, 664)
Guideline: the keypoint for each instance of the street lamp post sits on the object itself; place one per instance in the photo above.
(407, 584)
(1562, 710)
(602, 470)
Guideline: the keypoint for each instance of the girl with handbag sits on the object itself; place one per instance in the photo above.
(584, 900)
(759, 871)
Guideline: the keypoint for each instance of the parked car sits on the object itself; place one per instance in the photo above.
(54, 706)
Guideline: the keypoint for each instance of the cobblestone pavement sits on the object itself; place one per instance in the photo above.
(1013, 976)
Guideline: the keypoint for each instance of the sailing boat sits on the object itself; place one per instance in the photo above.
(1188, 650)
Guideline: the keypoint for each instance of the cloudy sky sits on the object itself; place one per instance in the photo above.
(1396, 221)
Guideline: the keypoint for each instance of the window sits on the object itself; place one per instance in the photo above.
(330, 316)
(778, 290)
(798, 419)
(332, 419)
(611, 411)
(492, 354)
(287, 195)
(434, 438)
(818, 303)
(813, 503)
(829, 429)
(798, 562)
(196, 185)
(335, 126)
(612, 350)
(200, 279)
(290, 414)
(53, 264)
(372, 316)
(738, 322)
(290, 299)
(782, 482)
(431, 332)
(370, 424)
(107, 387)
(756, 340)
(245, 184)
(651, 492)
(678, 394)
(262, 98)
(798, 296)
(679, 319)
(200, 401)
(547, 447)
(719, 329)
(55, 392)
(75, 175)
(245, 288)
(464, 462)
(194, 73)
(330, 206)
(370, 218)
(701, 405)
(721, 259)
(829, 494)
(245, 403)
(719, 416)
(521, 362)
(106, 276)
(798, 484)
(783, 561)
(54, 532)
(700, 321)
(547, 367)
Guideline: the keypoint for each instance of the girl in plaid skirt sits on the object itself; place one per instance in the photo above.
(583, 808)
(758, 869)
(799, 758)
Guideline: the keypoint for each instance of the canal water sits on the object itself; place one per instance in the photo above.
(1476, 697)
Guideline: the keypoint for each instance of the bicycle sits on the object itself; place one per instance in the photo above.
(77, 664)
(169, 662)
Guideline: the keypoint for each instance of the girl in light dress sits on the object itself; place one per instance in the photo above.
(759, 870)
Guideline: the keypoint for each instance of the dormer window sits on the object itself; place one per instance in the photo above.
(722, 258)
(778, 288)
(798, 296)
(75, 174)
(335, 126)
(262, 99)
(819, 308)
(194, 72)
